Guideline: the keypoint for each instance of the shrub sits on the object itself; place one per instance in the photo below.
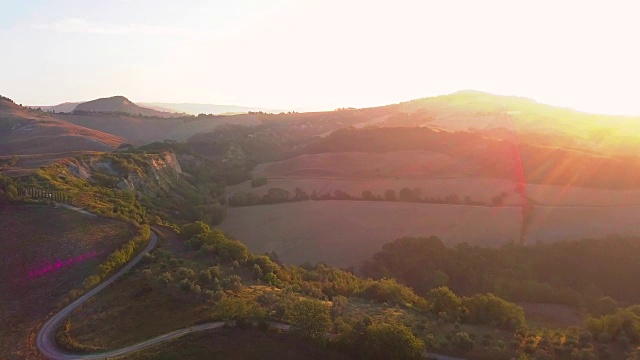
(258, 181)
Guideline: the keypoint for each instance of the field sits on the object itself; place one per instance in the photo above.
(557, 223)
(582, 196)
(238, 344)
(362, 165)
(45, 253)
(344, 233)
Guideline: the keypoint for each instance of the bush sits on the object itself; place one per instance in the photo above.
(393, 341)
(309, 318)
(443, 300)
(259, 181)
(491, 310)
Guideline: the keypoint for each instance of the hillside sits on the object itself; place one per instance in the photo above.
(480, 156)
(508, 116)
(144, 130)
(30, 286)
(118, 104)
(26, 131)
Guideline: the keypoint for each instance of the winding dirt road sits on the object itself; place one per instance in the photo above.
(47, 345)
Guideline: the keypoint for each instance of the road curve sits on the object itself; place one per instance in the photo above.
(45, 340)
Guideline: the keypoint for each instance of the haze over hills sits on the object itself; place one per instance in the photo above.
(186, 108)
(66, 107)
(506, 116)
(336, 187)
(196, 109)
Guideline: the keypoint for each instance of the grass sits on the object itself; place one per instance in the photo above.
(128, 311)
(31, 238)
(238, 344)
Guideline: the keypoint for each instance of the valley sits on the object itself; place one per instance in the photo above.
(366, 218)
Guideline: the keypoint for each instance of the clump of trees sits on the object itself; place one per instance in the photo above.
(274, 195)
(372, 339)
(8, 190)
(548, 273)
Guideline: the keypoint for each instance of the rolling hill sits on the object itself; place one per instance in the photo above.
(509, 116)
(25, 131)
(118, 104)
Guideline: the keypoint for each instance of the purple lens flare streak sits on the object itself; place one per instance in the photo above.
(48, 267)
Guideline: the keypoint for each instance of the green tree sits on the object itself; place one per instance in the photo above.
(443, 300)
(194, 229)
(390, 195)
(309, 318)
(390, 341)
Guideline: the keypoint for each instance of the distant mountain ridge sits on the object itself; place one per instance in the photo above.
(65, 107)
(196, 109)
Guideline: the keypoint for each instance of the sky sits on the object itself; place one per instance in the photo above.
(321, 54)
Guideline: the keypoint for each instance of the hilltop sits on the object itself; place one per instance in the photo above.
(118, 104)
(25, 131)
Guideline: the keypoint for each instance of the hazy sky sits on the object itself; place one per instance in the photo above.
(321, 54)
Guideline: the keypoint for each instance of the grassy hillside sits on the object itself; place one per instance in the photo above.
(46, 253)
(487, 157)
(26, 131)
(143, 130)
(558, 126)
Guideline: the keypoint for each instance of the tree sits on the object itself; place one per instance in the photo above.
(390, 195)
(443, 300)
(309, 318)
(234, 308)
(194, 229)
(491, 310)
(368, 195)
(275, 195)
(406, 194)
(300, 195)
(391, 341)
